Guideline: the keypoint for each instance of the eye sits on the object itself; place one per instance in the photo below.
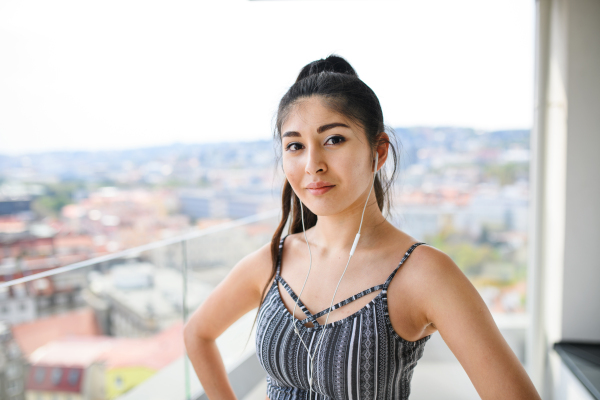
(336, 139)
(290, 146)
(333, 140)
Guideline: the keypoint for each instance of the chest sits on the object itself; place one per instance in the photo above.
(354, 292)
(329, 282)
(357, 356)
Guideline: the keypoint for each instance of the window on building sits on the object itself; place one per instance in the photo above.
(12, 386)
(13, 350)
(56, 375)
(39, 375)
(73, 376)
(12, 370)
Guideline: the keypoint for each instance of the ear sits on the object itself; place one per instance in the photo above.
(383, 146)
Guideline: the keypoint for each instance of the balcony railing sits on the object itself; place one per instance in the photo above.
(111, 327)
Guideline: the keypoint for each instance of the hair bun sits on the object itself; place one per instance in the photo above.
(332, 63)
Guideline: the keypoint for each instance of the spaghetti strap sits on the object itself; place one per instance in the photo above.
(364, 292)
(344, 302)
(370, 290)
(313, 317)
(279, 256)
(295, 298)
(287, 287)
(408, 252)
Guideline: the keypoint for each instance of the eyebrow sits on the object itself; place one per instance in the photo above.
(321, 129)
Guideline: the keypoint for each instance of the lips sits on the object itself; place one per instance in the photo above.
(318, 188)
(318, 185)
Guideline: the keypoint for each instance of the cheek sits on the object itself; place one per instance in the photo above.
(351, 167)
(293, 172)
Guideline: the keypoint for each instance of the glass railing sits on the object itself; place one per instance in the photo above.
(111, 327)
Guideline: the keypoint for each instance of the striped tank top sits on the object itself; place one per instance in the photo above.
(361, 356)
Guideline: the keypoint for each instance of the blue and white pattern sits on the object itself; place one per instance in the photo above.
(361, 356)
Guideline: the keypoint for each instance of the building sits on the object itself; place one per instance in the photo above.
(46, 296)
(203, 203)
(18, 244)
(12, 366)
(16, 305)
(14, 205)
(132, 361)
(138, 299)
(63, 369)
(99, 367)
(32, 335)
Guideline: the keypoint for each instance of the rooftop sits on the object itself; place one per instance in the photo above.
(32, 335)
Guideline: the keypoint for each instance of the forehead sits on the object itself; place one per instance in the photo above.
(311, 113)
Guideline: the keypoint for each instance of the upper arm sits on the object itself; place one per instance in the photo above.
(455, 308)
(237, 294)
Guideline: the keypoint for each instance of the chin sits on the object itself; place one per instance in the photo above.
(325, 207)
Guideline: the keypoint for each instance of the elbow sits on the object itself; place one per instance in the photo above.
(192, 335)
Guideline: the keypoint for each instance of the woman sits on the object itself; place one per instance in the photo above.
(389, 299)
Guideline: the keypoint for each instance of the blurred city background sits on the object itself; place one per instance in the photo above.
(137, 168)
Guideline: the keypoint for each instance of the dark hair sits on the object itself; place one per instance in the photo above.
(334, 81)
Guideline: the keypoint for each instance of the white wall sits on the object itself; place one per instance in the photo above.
(581, 277)
(566, 257)
(570, 192)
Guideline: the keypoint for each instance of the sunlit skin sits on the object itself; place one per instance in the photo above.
(428, 294)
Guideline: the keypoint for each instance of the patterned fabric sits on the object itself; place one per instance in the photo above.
(361, 356)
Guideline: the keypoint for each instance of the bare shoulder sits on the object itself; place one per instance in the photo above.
(450, 304)
(294, 247)
(431, 278)
(256, 267)
(431, 265)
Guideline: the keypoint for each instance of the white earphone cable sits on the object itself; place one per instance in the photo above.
(319, 341)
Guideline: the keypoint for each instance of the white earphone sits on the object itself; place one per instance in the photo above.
(319, 341)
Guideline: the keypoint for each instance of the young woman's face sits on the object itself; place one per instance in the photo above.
(323, 148)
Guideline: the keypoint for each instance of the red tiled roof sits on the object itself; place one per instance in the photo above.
(32, 335)
(54, 366)
(12, 224)
(154, 352)
(70, 240)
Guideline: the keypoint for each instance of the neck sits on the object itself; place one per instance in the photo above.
(336, 233)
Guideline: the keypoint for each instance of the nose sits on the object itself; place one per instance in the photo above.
(315, 162)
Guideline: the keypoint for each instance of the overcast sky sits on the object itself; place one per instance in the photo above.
(121, 74)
